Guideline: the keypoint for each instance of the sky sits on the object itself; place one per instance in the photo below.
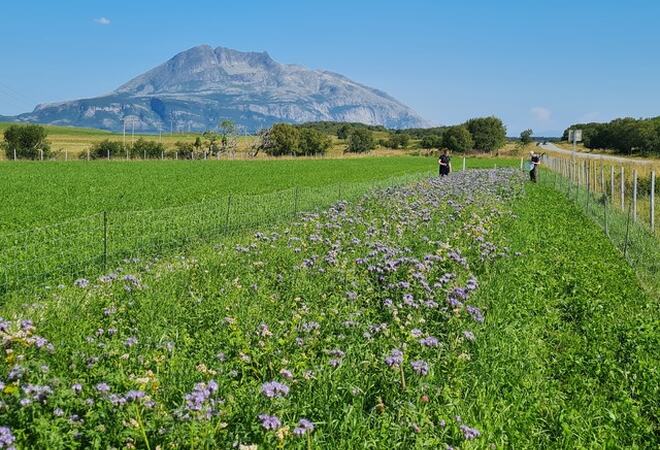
(535, 64)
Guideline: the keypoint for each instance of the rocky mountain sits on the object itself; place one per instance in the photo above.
(202, 86)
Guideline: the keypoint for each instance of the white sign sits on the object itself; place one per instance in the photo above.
(574, 135)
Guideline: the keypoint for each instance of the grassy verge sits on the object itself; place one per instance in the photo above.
(569, 357)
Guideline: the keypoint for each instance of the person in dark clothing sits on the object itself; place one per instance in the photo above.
(535, 160)
(444, 164)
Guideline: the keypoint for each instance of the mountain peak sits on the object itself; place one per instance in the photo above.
(202, 85)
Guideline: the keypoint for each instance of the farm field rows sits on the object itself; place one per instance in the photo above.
(450, 312)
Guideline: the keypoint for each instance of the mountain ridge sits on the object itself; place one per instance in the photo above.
(198, 87)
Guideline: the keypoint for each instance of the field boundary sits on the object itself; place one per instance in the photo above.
(95, 244)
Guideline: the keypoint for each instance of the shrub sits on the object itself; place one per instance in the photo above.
(360, 141)
(104, 149)
(313, 142)
(26, 142)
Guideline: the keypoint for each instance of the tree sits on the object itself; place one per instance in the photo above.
(186, 150)
(313, 142)
(344, 131)
(526, 137)
(26, 142)
(458, 139)
(488, 133)
(284, 138)
(360, 141)
(398, 140)
(431, 141)
(211, 139)
(228, 137)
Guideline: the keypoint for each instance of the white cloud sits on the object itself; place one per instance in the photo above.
(102, 21)
(541, 113)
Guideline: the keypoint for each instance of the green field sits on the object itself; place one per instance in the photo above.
(475, 311)
(37, 194)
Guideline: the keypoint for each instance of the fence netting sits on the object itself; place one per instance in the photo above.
(94, 244)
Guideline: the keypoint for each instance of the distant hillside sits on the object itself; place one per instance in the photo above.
(201, 86)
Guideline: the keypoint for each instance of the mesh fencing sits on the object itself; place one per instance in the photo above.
(94, 244)
(622, 209)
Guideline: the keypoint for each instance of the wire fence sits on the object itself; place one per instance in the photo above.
(623, 207)
(94, 244)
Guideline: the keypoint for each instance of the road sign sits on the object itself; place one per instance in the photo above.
(574, 135)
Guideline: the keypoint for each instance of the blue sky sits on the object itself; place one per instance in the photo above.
(535, 64)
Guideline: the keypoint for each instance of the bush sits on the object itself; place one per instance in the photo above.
(344, 131)
(147, 149)
(104, 148)
(488, 133)
(313, 142)
(458, 139)
(283, 139)
(26, 142)
(431, 141)
(360, 141)
(398, 140)
(186, 150)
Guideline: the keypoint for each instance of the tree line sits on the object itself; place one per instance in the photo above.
(624, 135)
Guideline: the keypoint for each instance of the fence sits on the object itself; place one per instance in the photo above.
(94, 244)
(622, 203)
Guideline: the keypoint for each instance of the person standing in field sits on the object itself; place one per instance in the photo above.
(444, 164)
(534, 162)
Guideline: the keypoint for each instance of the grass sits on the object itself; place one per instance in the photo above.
(37, 194)
(544, 337)
(569, 358)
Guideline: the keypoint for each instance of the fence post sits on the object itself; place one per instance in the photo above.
(602, 177)
(623, 189)
(295, 201)
(87, 154)
(41, 154)
(227, 214)
(521, 164)
(108, 154)
(162, 155)
(612, 183)
(652, 208)
(588, 186)
(635, 195)
(625, 244)
(464, 163)
(176, 156)
(66, 155)
(14, 154)
(105, 240)
(605, 202)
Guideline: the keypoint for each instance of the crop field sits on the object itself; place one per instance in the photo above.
(473, 311)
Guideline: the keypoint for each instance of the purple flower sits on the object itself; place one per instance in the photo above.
(421, 367)
(351, 295)
(200, 401)
(469, 433)
(310, 326)
(132, 396)
(103, 388)
(58, 412)
(286, 374)
(4, 325)
(16, 373)
(429, 341)
(469, 336)
(416, 332)
(131, 341)
(304, 426)
(26, 325)
(335, 362)
(270, 422)
(116, 400)
(475, 313)
(395, 358)
(6, 438)
(274, 389)
(81, 283)
(76, 388)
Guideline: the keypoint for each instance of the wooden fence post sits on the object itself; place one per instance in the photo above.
(652, 208)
